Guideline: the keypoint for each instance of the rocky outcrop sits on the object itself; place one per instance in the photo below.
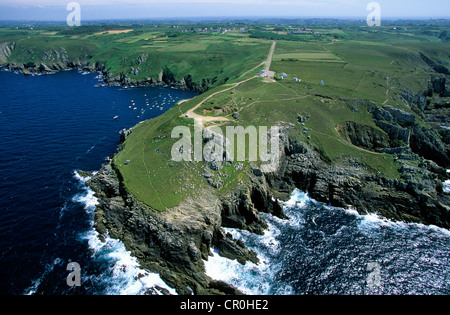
(404, 129)
(363, 136)
(175, 242)
(434, 65)
(6, 50)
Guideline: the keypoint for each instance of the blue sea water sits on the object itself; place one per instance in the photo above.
(324, 250)
(51, 126)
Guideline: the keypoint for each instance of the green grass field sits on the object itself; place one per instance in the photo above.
(215, 59)
(360, 67)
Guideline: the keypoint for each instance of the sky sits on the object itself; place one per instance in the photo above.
(56, 10)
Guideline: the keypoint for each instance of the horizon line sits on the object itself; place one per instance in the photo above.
(354, 18)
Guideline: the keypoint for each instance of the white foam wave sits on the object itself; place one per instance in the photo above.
(251, 279)
(48, 269)
(447, 186)
(127, 275)
(259, 278)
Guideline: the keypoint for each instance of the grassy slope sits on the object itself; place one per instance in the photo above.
(367, 66)
(218, 59)
(359, 75)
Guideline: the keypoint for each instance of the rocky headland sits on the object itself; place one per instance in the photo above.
(175, 242)
(55, 60)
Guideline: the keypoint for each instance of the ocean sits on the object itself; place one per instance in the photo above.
(53, 125)
(324, 250)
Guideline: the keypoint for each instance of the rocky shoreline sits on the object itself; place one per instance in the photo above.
(175, 242)
(165, 77)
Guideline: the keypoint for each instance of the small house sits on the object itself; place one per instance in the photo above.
(262, 74)
(283, 76)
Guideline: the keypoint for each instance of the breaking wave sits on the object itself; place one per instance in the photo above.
(122, 274)
(328, 250)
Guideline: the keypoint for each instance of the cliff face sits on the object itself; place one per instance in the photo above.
(6, 49)
(175, 242)
(54, 60)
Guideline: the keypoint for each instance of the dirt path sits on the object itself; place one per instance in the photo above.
(191, 113)
(268, 62)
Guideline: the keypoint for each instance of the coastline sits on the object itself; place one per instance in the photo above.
(176, 242)
(181, 241)
(108, 78)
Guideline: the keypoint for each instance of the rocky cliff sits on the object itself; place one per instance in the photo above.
(175, 242)
(57, 59)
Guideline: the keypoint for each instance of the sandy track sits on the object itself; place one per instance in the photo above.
(191, 113)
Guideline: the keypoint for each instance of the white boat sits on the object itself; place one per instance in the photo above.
(115, 117)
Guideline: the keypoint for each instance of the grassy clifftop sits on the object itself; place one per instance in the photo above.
(342, 86)
(336, 117)
(149, 53)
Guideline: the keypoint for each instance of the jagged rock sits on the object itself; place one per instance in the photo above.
(175, 242)
(438, 85)
(124, 133)
(6, 49)
(363, 136)
(427, 144)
